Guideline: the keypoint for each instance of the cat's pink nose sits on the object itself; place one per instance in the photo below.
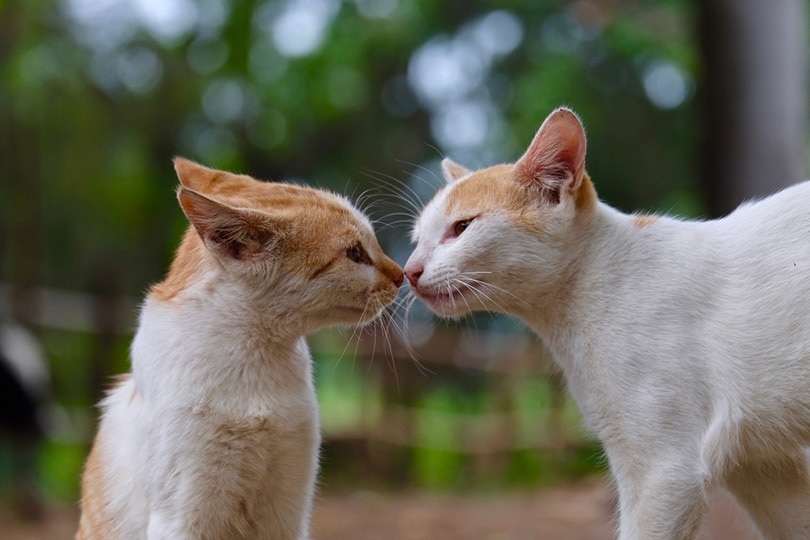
(413, 274)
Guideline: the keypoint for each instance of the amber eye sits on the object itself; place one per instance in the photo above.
(357, 254)
(461, 226)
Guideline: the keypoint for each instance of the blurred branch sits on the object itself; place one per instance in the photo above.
(69, 310)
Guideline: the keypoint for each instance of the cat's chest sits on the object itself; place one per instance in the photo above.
(249, 444)
(243, 463)
(236, 450)
(236, 382)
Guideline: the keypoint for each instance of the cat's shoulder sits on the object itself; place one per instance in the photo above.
(794, 196)
(787, 210)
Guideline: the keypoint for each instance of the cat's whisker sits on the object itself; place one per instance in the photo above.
(456, 291)
(439, 179)
(364, 197)
(409, 301)
(372, 330)
(436, 149)
(408, 209)
(402, 332)
(477, 285)
(451, 295)
(484, 298)
(387, 334)
(354, 187)
(471, 320)
(407, 197)
(345, 348)
(402, 219)
(387, 200)
(485, 289)
(399, 191)
(357, 331)
(410, 175)
(392, 362)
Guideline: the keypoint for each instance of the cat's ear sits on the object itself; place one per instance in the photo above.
(197, 177)
(237, 233)
(453, 171)
(555, 160)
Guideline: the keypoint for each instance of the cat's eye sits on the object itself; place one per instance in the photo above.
(461, 226)
(357, 254)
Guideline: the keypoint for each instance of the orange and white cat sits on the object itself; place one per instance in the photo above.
(685, 344)
(215, 432)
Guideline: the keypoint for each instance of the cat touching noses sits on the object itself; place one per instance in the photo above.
(215, 432)
(686, 344)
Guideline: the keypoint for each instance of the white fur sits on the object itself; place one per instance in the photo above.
(215, 434)
(685, 344)
(203, 373)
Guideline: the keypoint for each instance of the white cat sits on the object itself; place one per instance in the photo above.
(214, 434)
(685, 344)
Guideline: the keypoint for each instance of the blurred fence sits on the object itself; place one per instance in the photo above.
(447, 407)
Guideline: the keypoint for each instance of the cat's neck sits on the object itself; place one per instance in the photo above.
(603, 257)
(206, 348)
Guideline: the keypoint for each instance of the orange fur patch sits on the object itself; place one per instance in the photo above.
(496, 189)
(486, 190)
(586, 197)
(96, 521)
(643, 220)
(310, 227)
(185, 269)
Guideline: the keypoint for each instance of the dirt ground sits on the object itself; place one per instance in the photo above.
(579, 512)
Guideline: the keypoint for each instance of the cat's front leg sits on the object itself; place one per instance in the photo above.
(776, 494)
(666, 502)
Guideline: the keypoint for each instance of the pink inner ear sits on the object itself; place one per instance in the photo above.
(556, 156)
(232, 232)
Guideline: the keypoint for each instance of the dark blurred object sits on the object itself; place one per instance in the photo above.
(24, 397)
(754, 99)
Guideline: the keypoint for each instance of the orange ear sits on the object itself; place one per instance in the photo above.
(237, 233)
(453, 171)
(198, 178)
(555, 160)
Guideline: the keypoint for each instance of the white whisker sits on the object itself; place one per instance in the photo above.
(482, 286)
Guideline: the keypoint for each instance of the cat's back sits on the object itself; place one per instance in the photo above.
(785, 215)
(759, 329)
(766, 244)
(729, 290)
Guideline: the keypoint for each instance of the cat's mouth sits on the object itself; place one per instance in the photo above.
(440, 300)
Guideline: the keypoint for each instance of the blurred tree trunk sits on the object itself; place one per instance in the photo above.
(24, 223)
(754, 98)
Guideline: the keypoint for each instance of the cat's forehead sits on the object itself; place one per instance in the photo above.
(484, 191)
(306, 205)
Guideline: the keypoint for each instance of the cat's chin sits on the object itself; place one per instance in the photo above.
(355, 316)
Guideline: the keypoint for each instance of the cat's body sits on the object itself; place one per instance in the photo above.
(215, 433)
(685, 344)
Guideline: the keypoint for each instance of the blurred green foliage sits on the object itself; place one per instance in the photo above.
(96, 97)
(359, 96)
